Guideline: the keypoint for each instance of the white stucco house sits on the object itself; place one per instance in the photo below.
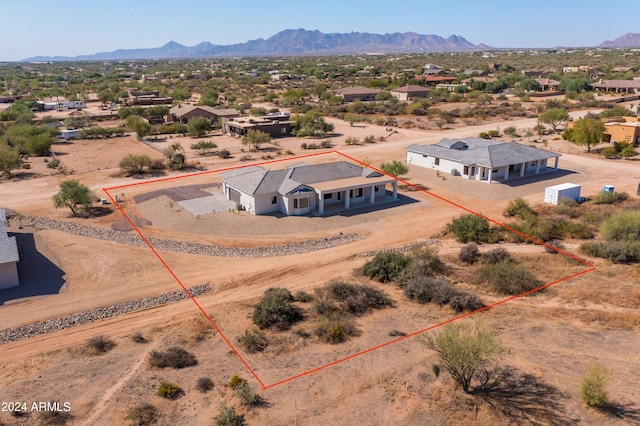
(304, 189)
(482, 159)
(8, 256)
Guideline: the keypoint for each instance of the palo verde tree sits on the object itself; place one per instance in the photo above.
(204, 147)
(135, 164)
(9, 160)
(73, 195)
(138, 125)
(176, 157)
(255, 138)
(553, 117)
(463, 349)
(310, 124)
(395, 168)
(197, 127)
(586, 131)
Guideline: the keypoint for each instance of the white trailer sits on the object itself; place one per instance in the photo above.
(554, 194)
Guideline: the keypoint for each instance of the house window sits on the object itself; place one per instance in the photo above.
(627, 138)
(376, 188)
(304, 203)
(359, 193)
(465, 170)
(295, 203)
(274, 200)
(436, 161)
(494, 170)
(284, 130)
(339, 196)
(327, 196)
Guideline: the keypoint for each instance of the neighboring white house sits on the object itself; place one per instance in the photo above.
(8, 256)
(62, 105)
(303, 189)
(482, 159)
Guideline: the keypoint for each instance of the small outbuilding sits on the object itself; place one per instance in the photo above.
(554, 194)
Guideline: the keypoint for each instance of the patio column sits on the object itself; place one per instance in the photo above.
(555, 167)
(320, 203)
(506, 174)
(490, 174)
(347, 199)
(538, 167)
(523, 167)
(395, 189)
(372, 199)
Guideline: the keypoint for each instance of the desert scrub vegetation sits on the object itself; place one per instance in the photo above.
(473, 228)
(227, 416)
(592, 387)
(609, 197)
(169, 390)
(469, 253)
(253, 341)
(335, 330)
(385, 267)
(358, 299)
(464, 349)
(142, 415)
(173, 357)
(276, 310)
(204, 384)
(505, 277)
(99, 345)
(621, 232)
(425, 289)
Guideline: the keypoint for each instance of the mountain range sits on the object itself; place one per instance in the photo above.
(294, 42)
(290, 43)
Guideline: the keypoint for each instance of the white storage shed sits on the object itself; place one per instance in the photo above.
(553, 194)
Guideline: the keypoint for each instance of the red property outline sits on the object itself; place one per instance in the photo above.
(590, 267)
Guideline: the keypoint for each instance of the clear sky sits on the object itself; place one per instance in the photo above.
(77, 27)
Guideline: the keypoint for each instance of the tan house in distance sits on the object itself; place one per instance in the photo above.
(622, 129)
(412, 91)
(276, 125)
(357, 93)
(183, 113)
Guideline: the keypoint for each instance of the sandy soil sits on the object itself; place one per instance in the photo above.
(552, 336)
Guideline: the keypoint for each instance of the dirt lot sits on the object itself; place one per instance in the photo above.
(550, 338)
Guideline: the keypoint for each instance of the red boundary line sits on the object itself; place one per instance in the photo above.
(590, 268)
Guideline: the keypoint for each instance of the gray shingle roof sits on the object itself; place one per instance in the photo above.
(8, 250)
(483, 152)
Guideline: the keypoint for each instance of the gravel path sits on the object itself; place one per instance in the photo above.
(30, 330)
(133, 239)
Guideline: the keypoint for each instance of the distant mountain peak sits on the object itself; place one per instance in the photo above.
(625, 40)
(293, 42)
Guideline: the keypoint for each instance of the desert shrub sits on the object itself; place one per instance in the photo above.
(138, 338)
(359, 298)
(519, 208)
(421, 288)
(494, 256)
(53, 418)
(469, 253)
(464, 301)
(169, 390)
(622, 226)
(227, 416)
(302, 296)
(609, 197)
(276, 310)
(236, 381)
(352, 140)
(157, 165)
(567, 207)
(591, 388)
(326, 144)
(324, 303)
(577, 230)
(253, 341)
(370, 139)
(334, 331)
(469, 228)
(507, 278)
(397, 333)
(174, 357)
(615, 251)
(247, 396)
(424, 261)
(99, 345)
(385, 267)
(224, 153)
(553, 243)
(204, 384)
(142, 415)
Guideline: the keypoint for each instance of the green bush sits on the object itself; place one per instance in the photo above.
(385, 267)
(615, 251)
(335, 331)
(464, 301)
(424, 289)
(609, 197)
(591, 388)
(507, 278)
(358, 299)
(253, 341)
(302, 296)
(495, 256)
(227, 416)
(174, 357)
(169, 390)
(276, 310)
(469, 228)
(622, 226)
(248, 397)
(224, 153)
(324, 303)
(425, 261)
(236, 381)
(519, 208)
(469, 253)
